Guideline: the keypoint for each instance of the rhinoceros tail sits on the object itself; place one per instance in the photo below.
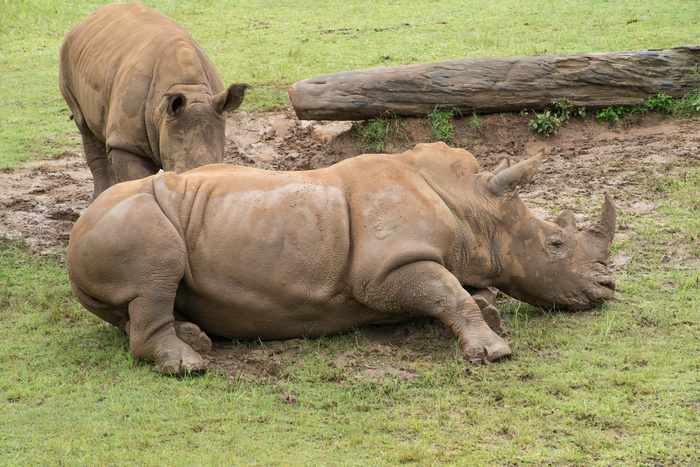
(114, 315)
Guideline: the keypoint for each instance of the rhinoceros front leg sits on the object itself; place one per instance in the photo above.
(96, 158)
(129, 166)
(427, 288)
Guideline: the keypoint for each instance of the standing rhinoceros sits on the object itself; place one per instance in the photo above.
(144, 95)
(248, 253)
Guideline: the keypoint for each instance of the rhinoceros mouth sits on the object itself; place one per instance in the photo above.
(602, 290)
(597, 291)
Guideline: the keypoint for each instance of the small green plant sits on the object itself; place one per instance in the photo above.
(565, 110)
(440, 121)
(661, 102)
(549, 121)
(374, 133)
(610, 115)
(546, 122)
(688, 105)
(475, 122)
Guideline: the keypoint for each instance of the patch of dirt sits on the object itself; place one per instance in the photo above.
(40, 201)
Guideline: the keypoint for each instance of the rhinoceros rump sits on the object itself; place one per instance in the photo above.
(144, 95)
(248, 253)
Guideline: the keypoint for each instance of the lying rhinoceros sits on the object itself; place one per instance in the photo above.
(144, 95)
(253, 254)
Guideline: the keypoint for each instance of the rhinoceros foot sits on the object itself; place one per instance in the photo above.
(486, 300)
(178, 355)
(485, 348)
(191, 335)
(491, 314)
(179, 360)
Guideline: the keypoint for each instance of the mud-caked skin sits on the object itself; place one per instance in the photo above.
(253, 254)
(143, 94)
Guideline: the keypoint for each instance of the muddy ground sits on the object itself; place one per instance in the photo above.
(632, 161)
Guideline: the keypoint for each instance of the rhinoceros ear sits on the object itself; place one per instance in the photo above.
(231, 98)
(176, 104)
(510, 178)
(566, 220)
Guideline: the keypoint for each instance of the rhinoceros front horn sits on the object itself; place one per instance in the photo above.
(605, 227)
(507, 179)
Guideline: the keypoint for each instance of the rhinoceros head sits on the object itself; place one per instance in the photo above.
(548, 264)
(192, 127)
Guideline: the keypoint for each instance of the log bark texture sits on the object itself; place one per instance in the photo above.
(487, 85)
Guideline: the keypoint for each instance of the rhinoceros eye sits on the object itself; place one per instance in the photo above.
(555, 243)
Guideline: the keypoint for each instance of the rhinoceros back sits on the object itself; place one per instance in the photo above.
(240, 225)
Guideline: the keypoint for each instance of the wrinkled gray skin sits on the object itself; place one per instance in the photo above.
(254, 254)
(144, 95)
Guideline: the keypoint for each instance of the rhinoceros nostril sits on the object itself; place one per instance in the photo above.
(607, 282)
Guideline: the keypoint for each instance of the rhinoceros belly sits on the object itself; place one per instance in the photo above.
(252, 316)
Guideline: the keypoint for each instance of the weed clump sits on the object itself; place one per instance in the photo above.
(549, 121)
(374, 133)
(610, 115)
(685, 106)
(688, 105)
(440, 121)
(546, 122)
(474, 122)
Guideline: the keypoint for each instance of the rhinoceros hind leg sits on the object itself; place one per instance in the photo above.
(486, 301)
(152, 334)
(189, 333)
(427, 288)
(175, 357)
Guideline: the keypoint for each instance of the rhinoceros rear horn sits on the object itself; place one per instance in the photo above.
(230, 99)
(508, 179)
(503, 163)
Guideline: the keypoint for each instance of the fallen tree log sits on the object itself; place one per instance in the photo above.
(488, 85)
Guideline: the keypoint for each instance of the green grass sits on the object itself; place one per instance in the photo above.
(613, 386)
(373, 133)
(440, 122)
(685, 106)
(271, 45)
(617, 385)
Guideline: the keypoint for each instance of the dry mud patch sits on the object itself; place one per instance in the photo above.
(40, 201)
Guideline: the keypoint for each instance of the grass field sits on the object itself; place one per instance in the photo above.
(613, 386)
